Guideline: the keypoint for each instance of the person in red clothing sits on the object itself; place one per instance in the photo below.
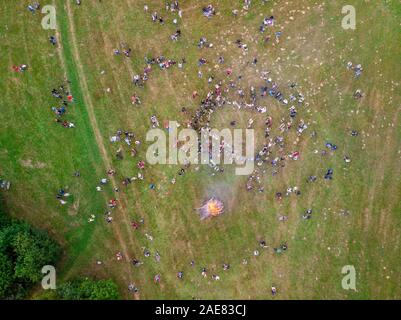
(112, 203)
(141, 164)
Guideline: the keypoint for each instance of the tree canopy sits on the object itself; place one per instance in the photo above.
(23, 252)
(88, 289)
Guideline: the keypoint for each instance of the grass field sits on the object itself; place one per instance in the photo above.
(39, 156)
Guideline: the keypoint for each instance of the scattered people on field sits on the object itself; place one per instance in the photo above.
(53, 40)
(307, 215)
(329, 174)
(357, 69)
(63, 97)
(119, 256)
(133, 288)
(209, 11)
(21, 68)
(175, 36)
(282, 248)
(358, 94)
(136, 263)
(33, 7)
(227, 89)
(215, 277)
(282, 218)
(262, 243)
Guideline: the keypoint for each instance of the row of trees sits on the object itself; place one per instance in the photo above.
(24, 251)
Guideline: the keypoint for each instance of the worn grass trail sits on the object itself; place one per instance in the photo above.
(75, 72)
(313, 51)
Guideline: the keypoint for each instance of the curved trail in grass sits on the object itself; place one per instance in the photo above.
(75, 73)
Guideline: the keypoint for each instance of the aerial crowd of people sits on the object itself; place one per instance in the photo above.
(227, 91)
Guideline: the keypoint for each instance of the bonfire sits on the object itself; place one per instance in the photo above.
(212, 208)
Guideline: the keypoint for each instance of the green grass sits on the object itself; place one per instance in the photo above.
(369, 187)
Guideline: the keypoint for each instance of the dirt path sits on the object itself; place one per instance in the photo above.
(99, 139)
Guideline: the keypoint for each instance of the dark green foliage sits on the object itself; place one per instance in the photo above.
(6, 274)
(87, 289)
(23, 253)
(4, 220)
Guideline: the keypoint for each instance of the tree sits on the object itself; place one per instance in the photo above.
(6, 274)
(4, 220)
(34, 249)
(23, 252)
(88, 289)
